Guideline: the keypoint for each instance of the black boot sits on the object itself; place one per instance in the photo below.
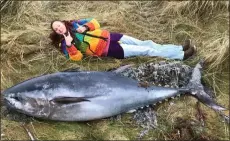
(187, 44)
(188, 53)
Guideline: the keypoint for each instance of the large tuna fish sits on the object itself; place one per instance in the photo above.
(90, 95)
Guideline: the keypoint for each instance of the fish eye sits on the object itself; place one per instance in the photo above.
(18, 98)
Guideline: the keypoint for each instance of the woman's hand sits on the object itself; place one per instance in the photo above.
(81, 29)
(68, 39)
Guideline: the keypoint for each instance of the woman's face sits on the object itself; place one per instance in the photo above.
(59, 27)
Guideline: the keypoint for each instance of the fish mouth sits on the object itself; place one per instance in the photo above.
(8, 104)
(7, 101)
(12, 101)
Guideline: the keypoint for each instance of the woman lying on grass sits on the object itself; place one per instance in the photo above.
(77, 37)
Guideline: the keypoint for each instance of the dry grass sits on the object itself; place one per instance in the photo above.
(26, 52)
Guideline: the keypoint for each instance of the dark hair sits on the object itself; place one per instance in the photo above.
(57, 38)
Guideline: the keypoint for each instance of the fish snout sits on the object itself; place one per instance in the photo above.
(7, 102)
(13, 101)
(13, 96)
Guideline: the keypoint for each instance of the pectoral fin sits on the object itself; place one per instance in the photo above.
(68, 100)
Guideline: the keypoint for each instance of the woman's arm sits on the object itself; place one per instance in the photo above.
(71, 52)
(90, 24)
(63, 49)
(74, 54)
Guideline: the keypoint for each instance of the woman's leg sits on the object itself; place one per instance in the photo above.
(136, 47)
(133, 41)
(137, 50)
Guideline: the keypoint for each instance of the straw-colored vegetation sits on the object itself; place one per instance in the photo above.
(26, 52)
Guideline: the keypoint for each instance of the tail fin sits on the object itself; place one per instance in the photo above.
(197, 90)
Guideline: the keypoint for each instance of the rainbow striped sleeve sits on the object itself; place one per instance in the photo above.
(91, 23)
(71, 52)
(63, 49)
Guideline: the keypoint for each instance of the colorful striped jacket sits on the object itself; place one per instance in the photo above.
(94, 42)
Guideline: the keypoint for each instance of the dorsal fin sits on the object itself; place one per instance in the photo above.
(68, 100)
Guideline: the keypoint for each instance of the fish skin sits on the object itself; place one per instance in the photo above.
(107, 94)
